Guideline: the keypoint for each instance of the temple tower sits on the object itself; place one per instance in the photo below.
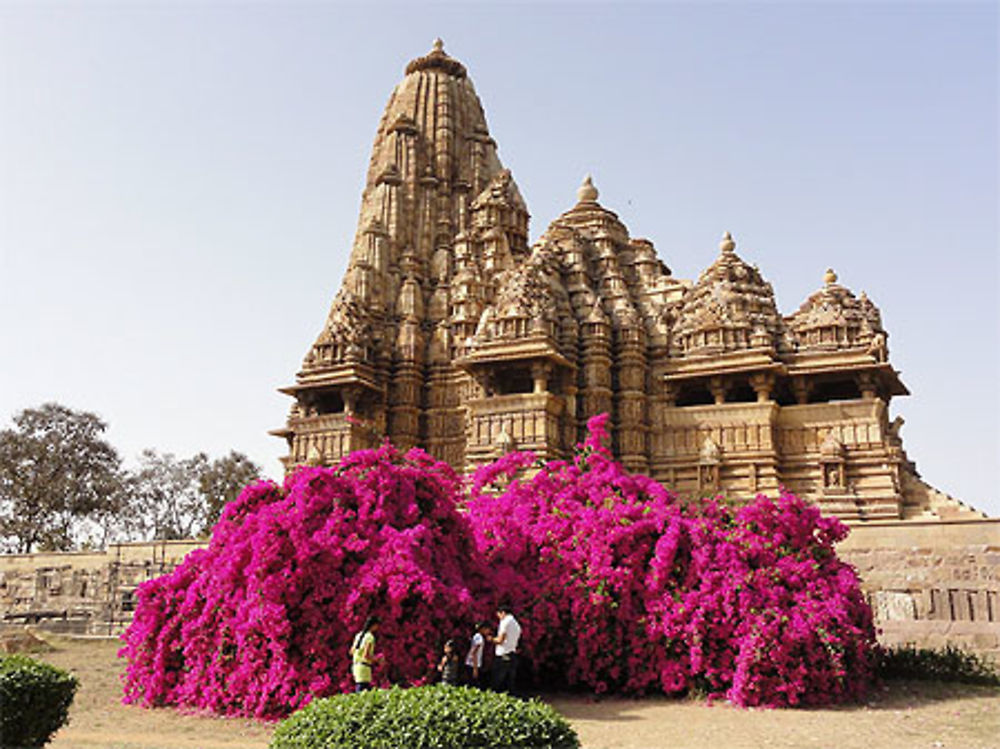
(451, 333)
(440, 218)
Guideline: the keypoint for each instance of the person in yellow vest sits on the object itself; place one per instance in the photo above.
(363, 654)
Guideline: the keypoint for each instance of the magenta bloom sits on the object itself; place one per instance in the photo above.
(619, 586)
(623, 588)
(261, 621)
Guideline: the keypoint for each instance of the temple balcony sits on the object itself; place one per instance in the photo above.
(325, 438)
(518, 421)
(737, 428)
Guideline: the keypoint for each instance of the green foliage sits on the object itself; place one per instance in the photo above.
(62, 486)
(35, 699)
(434, 717)
(948, 664)
(56, 469)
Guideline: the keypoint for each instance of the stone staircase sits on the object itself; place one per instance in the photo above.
(921, 501)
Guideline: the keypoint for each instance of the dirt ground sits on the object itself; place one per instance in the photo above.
(903, 715)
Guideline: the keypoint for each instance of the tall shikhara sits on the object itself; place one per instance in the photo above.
(451, 333)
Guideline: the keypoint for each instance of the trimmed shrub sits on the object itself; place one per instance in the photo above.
(432, 717)
(34, 701)
(948, 664)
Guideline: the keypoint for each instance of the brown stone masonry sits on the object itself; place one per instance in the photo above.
(85, 592)
(452, 333)
(931, 583)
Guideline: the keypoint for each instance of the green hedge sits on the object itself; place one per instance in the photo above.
(434, 717)
(34, 701)
(947, 664)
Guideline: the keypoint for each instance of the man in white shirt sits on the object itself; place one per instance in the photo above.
(507, 638)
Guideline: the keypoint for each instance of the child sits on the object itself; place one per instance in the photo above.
(449, 665)
(474, 659)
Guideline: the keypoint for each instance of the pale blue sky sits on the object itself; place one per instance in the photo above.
(179, 184)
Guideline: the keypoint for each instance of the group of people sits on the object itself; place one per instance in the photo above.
(501, 677)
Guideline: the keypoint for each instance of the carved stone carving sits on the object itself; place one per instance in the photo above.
(450, 332)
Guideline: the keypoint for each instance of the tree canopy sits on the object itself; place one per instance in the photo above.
(56, 469)
(63, 486)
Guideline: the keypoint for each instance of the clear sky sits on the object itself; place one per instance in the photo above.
(179, 184)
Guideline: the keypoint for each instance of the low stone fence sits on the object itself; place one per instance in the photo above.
(90, 592)
(931, 583)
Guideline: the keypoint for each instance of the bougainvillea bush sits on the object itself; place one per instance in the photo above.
(260, 622)
(623, 588)
(619, 586)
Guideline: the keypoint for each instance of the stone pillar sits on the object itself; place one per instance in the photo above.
(596, 385)
(669, 392)
(867, 384)
(405, 387)
(763, 384)
(540, 373)
(801, 387)
(718, 386)
(631, 400)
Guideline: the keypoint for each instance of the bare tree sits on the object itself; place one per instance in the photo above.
(164, 498)
(221, 481)
(173, 498)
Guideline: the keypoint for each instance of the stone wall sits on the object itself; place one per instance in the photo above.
(931, 583)
(82, 592)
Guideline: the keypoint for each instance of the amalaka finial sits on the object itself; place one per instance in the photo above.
(829, 277)
(437, 59)
(727, 244)
(587, 192)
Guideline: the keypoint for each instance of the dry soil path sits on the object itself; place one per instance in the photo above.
(903, 715)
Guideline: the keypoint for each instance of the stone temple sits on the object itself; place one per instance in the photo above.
(452, 333)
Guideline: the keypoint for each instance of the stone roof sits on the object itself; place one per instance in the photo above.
(730, 308)
(833, 318)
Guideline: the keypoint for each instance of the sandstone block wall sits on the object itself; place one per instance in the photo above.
(82, 592)
(931, 583)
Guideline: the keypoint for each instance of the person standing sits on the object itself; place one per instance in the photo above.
(474, 658)
(507, 639)
(449, 666)
(363, 654)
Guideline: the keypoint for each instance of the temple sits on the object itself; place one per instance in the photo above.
(452, 333)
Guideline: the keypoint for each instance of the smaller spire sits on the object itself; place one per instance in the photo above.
(438, 46)
(830, 277)
(727, 244)
(587, 192)
(597, 314)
